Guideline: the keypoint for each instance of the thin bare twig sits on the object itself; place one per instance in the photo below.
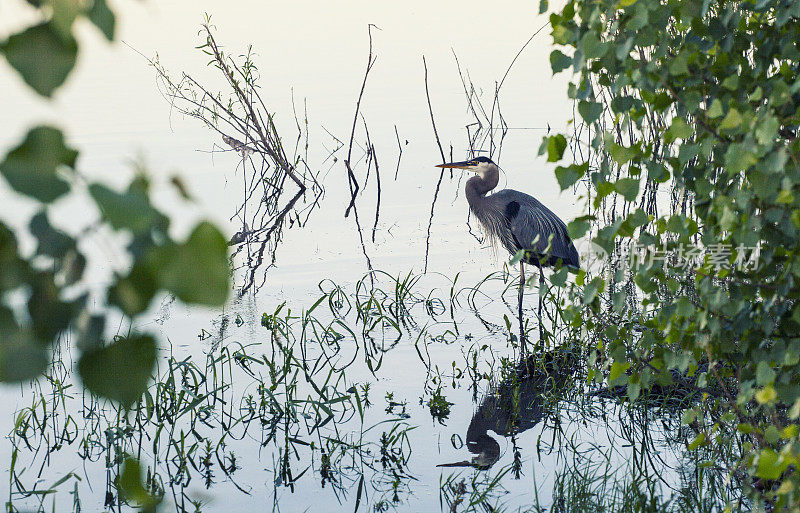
(354, 187)
(399, 155)
(441, 175)
(244, 122)
(352, 181)
(372, 157)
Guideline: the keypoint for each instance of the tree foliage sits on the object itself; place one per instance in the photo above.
(687, 138)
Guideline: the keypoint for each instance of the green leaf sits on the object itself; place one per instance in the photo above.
(785, 197)
(731, 121)
(13, 270)
(731, 82)
(679, 65)
(679, 129)
(52, 242)
(739, 157)
(633, 389)
(640, 18)
(764, 374)
(603, 190)
(591, 290)
(715, 110)
(628, 187)
(42, 56)
(559, 62)
(794, 411)
(633, 221)
(728, 218)
(129, 210)
(103, 18)
(622, 104)
(568, 175)
(31, 167)
(22, 356)
(131, 487)
(578, 227)
(542, 6)
(618, 370)
(592, 47)
(697, 442)
(559, 278)
(49, 314)
(766, 395)
(556, 144)
(121, 370)
(198, 271)
(133, 293)
(767, 130)
(621, 154)
(590, 111)
(64, 14)
(768, 466)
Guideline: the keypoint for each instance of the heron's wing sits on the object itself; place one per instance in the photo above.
(536, 228)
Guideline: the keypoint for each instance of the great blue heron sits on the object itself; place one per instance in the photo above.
(517, 221)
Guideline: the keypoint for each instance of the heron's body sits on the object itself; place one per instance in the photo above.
(517, 221)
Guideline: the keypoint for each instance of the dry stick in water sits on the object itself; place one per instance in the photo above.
(378, 203)
(399, 155)
(372, 157)
(441, 175)
(350, 175)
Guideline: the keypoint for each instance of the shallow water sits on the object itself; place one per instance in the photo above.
(112, 110)
(359, 398)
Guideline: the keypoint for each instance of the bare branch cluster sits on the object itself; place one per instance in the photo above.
(247, 126)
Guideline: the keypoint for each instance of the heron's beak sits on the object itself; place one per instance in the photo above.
(457, 165)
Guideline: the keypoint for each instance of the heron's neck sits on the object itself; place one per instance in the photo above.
(479, 185)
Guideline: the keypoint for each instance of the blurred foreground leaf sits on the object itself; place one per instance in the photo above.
(120, 370)
(13, 270)
(103, 18)
(198, 271)
(21, 356)
(31, 168)
(130, 210)
(42, 55)
(131, 487)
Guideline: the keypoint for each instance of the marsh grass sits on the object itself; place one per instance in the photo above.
(298, 404)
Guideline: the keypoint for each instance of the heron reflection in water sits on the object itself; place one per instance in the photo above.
(518, 222)
(515, 405)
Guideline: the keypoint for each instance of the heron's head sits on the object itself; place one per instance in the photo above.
(479, 165)
(487, 452)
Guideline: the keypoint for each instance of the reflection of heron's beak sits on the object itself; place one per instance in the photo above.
(457, 165)
(464, 463)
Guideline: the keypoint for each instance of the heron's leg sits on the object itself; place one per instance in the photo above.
(519, 304)
(541, 286)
